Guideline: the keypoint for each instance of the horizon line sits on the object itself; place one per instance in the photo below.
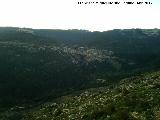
(77, 28)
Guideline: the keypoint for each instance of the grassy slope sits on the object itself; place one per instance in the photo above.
(135, 98)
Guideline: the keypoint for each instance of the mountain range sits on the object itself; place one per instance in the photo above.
(41, 65)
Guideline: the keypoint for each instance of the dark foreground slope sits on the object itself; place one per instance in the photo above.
(135, 98)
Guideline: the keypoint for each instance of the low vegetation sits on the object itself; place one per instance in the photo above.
(135, 98)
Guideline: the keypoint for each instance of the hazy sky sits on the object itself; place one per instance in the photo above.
(67, 14)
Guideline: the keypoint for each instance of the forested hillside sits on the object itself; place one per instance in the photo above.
(40, 65)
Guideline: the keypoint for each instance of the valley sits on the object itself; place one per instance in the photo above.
(108, 70)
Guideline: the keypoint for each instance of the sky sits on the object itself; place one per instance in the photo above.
(68, 14)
